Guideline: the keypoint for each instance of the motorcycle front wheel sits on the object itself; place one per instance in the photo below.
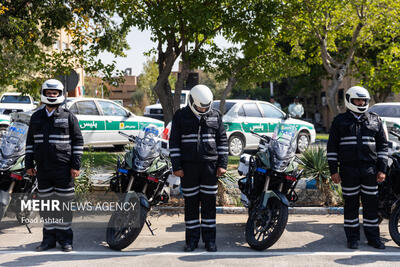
(124, 227)
(394, 224)
(265, 227)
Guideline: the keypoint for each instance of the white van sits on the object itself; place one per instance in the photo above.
(155, 111)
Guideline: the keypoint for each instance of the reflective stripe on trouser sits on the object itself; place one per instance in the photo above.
(358, 182)
(199, 186)
(56, 185)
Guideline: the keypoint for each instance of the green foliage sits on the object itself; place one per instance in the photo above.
(378, 64)
(315, 165)
(329, 32)
(83, 183)
(322, 137)
(29, 31)
(233, 160)
(100, 159)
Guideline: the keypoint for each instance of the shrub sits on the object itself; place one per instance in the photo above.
(315, 165)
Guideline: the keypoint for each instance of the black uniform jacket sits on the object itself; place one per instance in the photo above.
(357, 142)
(195, 140)
(55, 141)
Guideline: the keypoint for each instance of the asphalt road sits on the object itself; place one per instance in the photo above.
(309, 240)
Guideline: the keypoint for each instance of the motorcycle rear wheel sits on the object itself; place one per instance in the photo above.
(122, 229)
(394, 225)
(265, 227)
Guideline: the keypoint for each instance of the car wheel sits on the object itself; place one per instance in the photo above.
(236, 145)
(303, 141)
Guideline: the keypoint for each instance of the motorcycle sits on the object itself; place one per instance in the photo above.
(142, 179)
(271, 177)
(389, 191)
(15, 184)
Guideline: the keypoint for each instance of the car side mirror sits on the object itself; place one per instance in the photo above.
(36, 103)
(287, 116)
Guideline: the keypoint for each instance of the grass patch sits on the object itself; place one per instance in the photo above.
(105, 160)
(233, 162)
(322, 136)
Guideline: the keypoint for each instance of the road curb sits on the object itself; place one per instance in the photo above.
(242, 210)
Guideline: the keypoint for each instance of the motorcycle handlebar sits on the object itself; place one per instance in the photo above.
(130, 137)
(263, 137)
(395, 134)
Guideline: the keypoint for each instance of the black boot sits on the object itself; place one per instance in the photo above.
(376, 244)
(211, 247)
(45, 246)
(190, 246)
(352, 244)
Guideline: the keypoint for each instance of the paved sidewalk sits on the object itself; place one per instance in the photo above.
(309, 240)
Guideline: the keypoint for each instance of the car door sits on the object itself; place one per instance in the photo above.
(271, 116)
(117, 119)
(252, 121)
(91, 122)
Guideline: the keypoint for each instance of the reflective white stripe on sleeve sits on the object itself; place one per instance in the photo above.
(348, 138)
(59, 141)
(189, 141)
(189, 135)
(348, 143)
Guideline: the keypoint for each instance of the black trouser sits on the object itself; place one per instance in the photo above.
(199, 185)
(56, 184)
(356, 181)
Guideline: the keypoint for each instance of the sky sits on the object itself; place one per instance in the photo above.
(140, 43)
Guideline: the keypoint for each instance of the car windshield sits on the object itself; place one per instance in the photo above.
(15, 99)
(183, 98)
(386, 110)
(228, 105)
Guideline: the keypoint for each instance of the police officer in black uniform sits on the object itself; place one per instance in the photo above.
(358, 147)
(199, 154)
(55, 144)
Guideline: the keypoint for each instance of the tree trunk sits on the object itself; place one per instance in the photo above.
(162, 88)
(331, 97)
(180, 83)
(231, 83)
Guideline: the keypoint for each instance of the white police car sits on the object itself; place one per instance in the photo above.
(390, 114)
(243, 116)
(101, 119)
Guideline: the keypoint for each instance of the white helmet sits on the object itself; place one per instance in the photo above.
(200, 97)
(357, 92)
(52, 84)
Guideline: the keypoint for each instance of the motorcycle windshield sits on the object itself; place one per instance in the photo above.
(13, 141)
(148, 142)
(283, 145)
